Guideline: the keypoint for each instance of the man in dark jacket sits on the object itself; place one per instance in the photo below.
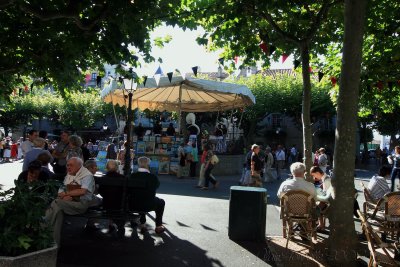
(145, 198)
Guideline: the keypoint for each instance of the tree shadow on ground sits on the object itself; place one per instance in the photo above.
(299, 253)
(258, 249)
(104, 248)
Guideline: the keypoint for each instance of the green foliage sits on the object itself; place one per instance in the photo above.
(51, 40)
(76, 110)
(284, 95)
(22, 228)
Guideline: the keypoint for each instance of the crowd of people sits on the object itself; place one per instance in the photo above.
(69, 162)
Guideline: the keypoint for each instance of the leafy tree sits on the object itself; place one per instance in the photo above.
(51, 41)
(76, 110)
(241, 27)
(282, 94)
(342, 240)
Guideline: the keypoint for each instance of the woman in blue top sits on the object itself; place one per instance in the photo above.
(395, 160)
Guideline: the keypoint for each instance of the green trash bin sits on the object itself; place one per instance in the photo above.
(247, 213)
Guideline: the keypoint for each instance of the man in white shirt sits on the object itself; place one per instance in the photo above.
(298, 182)
(378, 186)
(27, 145)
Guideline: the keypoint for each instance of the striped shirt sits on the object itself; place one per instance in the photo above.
(378, 187)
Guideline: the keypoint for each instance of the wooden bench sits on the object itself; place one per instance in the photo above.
(128, 187)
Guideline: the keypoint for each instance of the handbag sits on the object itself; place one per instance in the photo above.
(71, 187)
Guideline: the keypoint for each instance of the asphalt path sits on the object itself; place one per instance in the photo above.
(197, 229)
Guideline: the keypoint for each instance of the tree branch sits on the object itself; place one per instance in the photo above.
(322, 13)
(46, 16)
(5, 3)
(286, 36)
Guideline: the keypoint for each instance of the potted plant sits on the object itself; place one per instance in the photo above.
(25, 238)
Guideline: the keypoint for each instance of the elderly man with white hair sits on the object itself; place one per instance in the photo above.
(73, 197)
(298, 182)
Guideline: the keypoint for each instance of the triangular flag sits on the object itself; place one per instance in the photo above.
(379, 85)
(390, 85)
(169, 74)
(144, 80)
(320, 75)
(296, 63)
(264, 47)
(310, 69)
(236, 59)
(284, 57)
(221, 61)
(157, 77)
(195, 70)
(333, 81)
(272, 49)
(158, 71)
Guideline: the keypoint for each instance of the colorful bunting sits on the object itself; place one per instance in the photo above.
(195, 70)
(158, 71)
(26, 88)
(236, 59)
(144, 80)
(264, 47)
(296, 63)
(320, 75)
(169, 74)
(87, 78)
(333, 81)
(310, 69)
(272, 49)
(284, 57)
(221, 61)
(390, 85)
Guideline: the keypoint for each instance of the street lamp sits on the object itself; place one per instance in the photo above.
(105, 126)
(130, 87)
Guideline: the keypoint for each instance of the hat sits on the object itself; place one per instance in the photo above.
(254, 146)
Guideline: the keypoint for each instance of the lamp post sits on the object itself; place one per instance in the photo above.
(129, 88)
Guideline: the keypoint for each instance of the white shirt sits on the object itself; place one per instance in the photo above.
(378, 187)
(296, 183)
(26, 146)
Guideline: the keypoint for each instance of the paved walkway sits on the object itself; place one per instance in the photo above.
(197, 231)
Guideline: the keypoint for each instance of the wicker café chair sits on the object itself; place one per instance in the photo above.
(381, 253)
(386, 215)
(298, 209)
(370, 203)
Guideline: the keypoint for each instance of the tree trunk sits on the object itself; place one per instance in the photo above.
(342, 240)
(306, 106)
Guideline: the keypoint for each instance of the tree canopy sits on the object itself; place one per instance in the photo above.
(52, 40)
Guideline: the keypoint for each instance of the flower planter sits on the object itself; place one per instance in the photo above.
(41, 258)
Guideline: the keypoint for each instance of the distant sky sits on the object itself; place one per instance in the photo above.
(183, 53)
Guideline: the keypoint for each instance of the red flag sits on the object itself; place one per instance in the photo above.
(236, 59)
(284, 57)
(26, 88)
(333, 81)
(310, 69)
(264, 47)
(379, 85)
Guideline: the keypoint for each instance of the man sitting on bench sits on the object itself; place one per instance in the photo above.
(145, 200)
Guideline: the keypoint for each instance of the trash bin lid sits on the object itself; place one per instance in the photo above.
(248, 188)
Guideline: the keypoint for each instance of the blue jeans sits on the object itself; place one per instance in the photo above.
(395, 172)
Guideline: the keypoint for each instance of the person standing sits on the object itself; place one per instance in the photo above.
(293, 154)
(112, 150)
(256, 166)
(182, 160)
(60, 153)
(269, 161)
(322, 159)
(202, 166)
(195, 159)
(32, 155)
(395, 160)
(211, 160)
(27, 145)
(280, 161)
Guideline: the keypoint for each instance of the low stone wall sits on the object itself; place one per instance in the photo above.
(229, 165)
